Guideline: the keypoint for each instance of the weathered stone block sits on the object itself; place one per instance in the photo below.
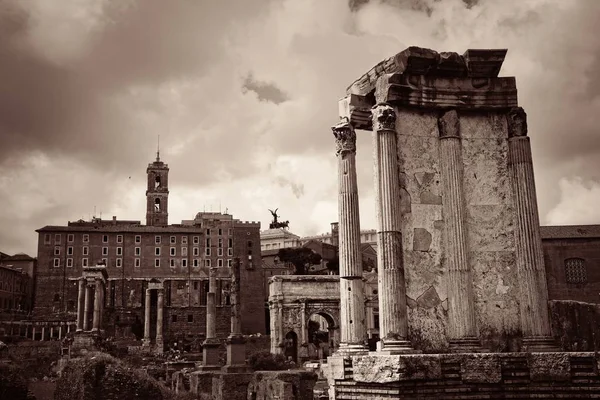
(421, 239)
(392, 368)
(480, 368)
(429, 299)
(549, 366)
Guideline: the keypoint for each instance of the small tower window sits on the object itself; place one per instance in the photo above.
(575, 270)
(157, 182)
(157, 204)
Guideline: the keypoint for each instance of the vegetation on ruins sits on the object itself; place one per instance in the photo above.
(266, 361)
(300, 257)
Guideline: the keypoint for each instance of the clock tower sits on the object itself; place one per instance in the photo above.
(157, 194)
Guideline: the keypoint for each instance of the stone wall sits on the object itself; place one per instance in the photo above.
(490, 227)
(575, 325)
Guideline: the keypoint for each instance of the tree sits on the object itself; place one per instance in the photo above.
(334, 266)
(300, 257)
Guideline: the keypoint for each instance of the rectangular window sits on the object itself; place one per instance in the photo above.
(157, 251)
(138, 251)
(84, 262)
(86, 238)
(195, 285)
(119, 238)
(220, 242)
(105, 251)
(184, 262)
(137, 262)
(57, 250)
(69, 262)
(184, 251)
(230, 242)
(184, 240)
(230, 263)
(220, 232)
(230, 252)
(104, 238)
(207, 251)
(70, 250)
(173, 239)
(57, 238)
(207, 242)
(56, 262)
(86, 250)
(230, 231)
(190, 317)
(207, 262)
(220, 252)
(157, 262)
(174, 318)
(157, 239)
(173, 251)
(138, 239)
(172, 262)
(119, 263)
(196, 251)
(196, 262)
(208, 232)
(70, 238)
(196, 239)
(47, 238)
(220, 262)
(119, 251)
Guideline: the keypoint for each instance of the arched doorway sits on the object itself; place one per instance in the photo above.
(291, 346)
(321, 336)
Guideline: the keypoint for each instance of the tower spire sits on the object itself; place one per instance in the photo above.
(158, 148)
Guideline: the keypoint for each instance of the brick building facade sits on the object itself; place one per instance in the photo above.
(178, 256)
(16, 284)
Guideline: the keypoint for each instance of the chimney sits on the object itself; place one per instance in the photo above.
(114, 220)
(335, 234)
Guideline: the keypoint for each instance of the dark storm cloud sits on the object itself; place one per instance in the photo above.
(265, 91)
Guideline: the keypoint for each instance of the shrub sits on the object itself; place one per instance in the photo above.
(265, 361)
(13, 384)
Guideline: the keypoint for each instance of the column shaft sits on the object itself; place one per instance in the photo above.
(535, 321)
(87, 307)
(236, 326)
(391, 284)
(97, 299)
(80, 304)
(211, 311)
(352, 306)
(159, 315)
(147, 317)
(462, 327)
(303, 323)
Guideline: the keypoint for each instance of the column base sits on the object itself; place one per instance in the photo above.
(395, 346)
(351, 349)
(539, 344)
(159, 346)
(466, 345)
(236, 369)
(236, 352)
(146, 342)
(210, 354)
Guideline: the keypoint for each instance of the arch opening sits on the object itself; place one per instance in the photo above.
(321, 337)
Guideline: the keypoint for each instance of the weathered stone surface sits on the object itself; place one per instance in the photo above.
(429, 299)
(427, 329)
(481, 368)
(421, 239)
(549, 366)
(334, 368)
(429, 198)
(384, 368)
(294, 384)
(424, 178)
(231, 386)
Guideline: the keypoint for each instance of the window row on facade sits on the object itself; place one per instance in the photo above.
(173, 262)
(85, 250)
(158, 239)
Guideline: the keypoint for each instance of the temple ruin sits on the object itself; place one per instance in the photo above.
(457, 224)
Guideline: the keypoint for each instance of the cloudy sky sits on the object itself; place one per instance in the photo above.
(243, 94)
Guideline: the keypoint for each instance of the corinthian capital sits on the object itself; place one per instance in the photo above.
(517, 122)
(345, 137)
(384, 117)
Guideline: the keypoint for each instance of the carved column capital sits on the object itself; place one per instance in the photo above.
(345, 137)
(384, 117)
(449, 125)
(517, 122)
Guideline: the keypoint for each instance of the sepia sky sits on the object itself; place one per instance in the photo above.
(243, 94)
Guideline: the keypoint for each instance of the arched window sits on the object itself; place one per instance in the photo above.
(157, 182)
(157, 204)
(575, 271)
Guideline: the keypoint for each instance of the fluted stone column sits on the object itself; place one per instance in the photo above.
(80, 305)
(236, 343)
(146, 340)
(352, 305)
(87, 307)
(535, 320)
(393, 324)
(462, 326)
(304, 336)
(97, 300)
(159, 314)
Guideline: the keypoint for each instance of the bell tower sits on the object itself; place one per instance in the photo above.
(157, 194)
